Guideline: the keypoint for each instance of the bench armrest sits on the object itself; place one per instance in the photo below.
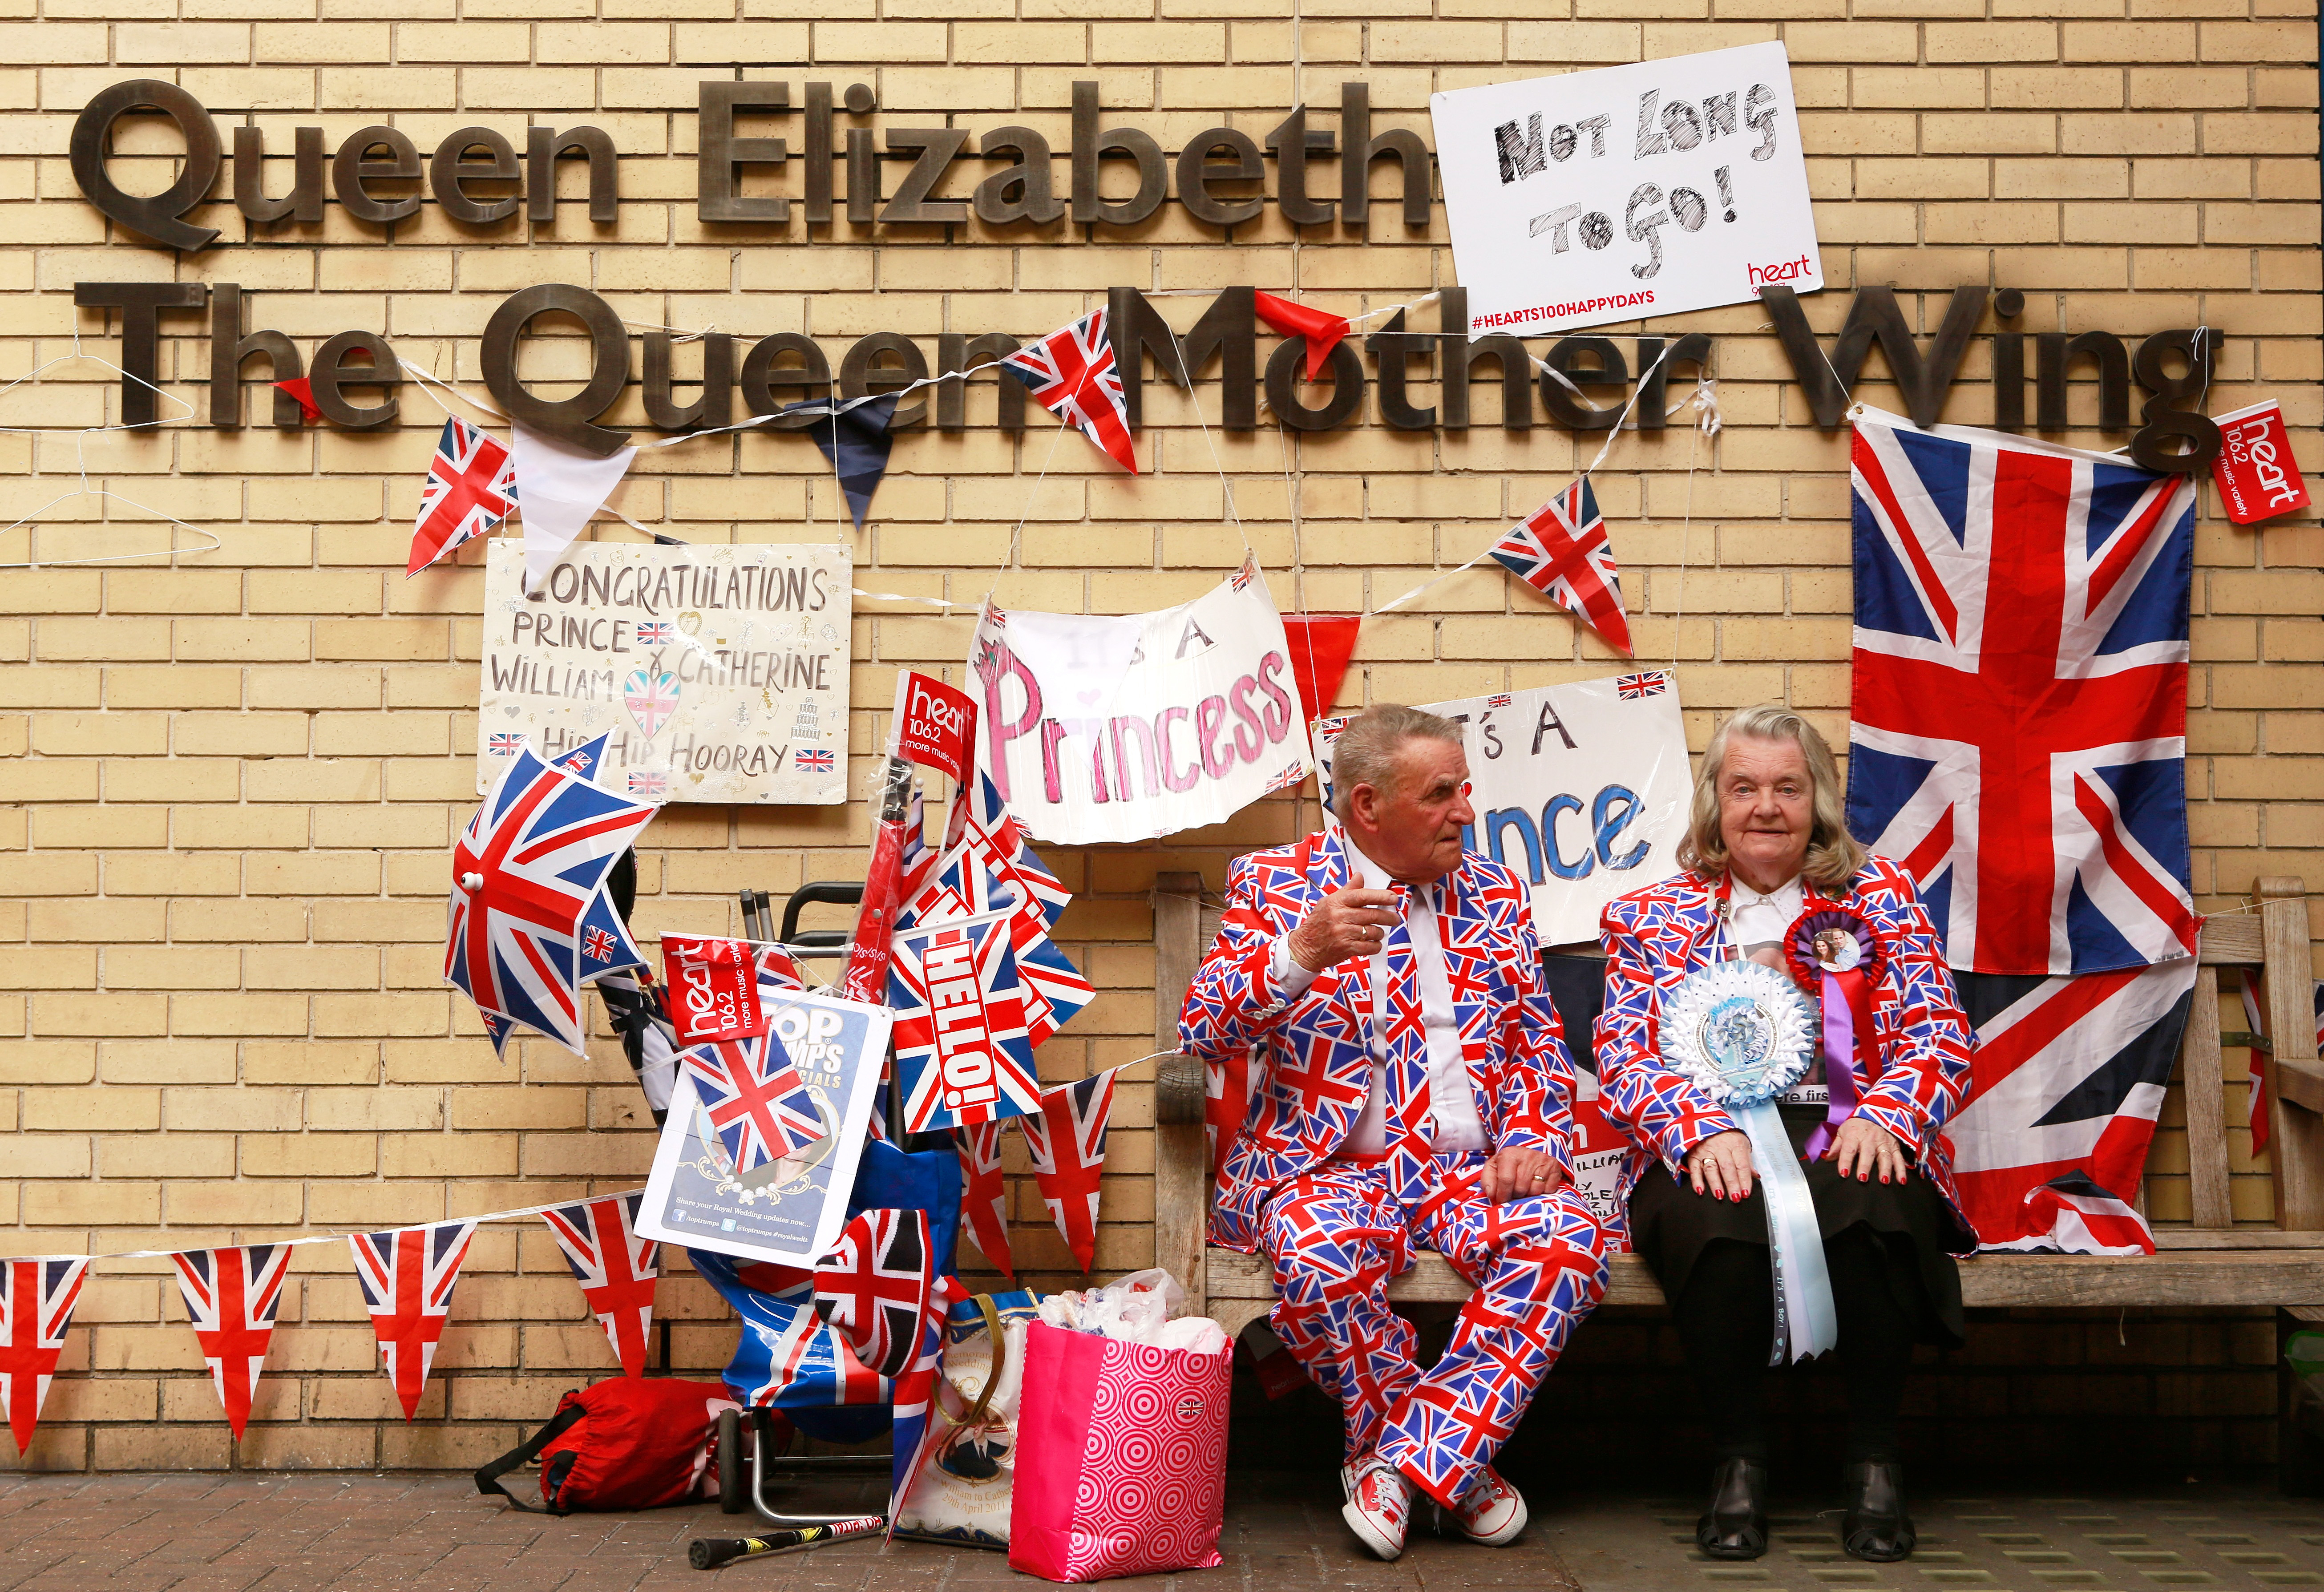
(1179, 1088)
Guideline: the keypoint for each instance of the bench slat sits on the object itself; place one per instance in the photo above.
(2207, 1137)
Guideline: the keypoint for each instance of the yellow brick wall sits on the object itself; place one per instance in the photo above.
(231, 781)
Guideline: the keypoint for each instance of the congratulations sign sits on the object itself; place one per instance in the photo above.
(1629, 192)
(720, 672)
(1123, 729)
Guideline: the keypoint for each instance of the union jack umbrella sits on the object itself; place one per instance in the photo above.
(605, 945)
(961, 1045)
(36, 1305)
(470, 489)
(1071, 374)
(874, 1287)
(525, 875)
(1638, 688)
(407, 1277)
(585, 760)
(758, 1106)
(984, 1199)
(914, 1394)
(1067, 1139)
(615, 1266)
(1560, 550)
(2018, 730)
(231, 1297)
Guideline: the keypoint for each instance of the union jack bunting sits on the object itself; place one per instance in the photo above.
(1071, 374)
(407, 1277)
(615, 1266)
(2019, 719)
(525, 874)
(1067, 1139)
(503, 744)
(760, 1107)
(584, 760)
(961, 1045)
(817, 761)
(980, 815)
(1636, 687)
(2068, 1078)
(915, 1393)
(231, 1297)
(984, 1194)
(873, 1288)
(1562, 550)
(36, 1305)
(471, 487)
(968, 882)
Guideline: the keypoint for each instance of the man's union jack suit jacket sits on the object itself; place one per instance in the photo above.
(1921, 1046)
(1311, 1058)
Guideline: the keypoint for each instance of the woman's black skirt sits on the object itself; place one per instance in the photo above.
(1670, 1223)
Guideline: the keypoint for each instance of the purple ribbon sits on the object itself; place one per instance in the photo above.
(1838, 1066)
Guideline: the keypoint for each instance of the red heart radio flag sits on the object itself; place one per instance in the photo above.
(713, 988)
(36, 1305)
(613, 1265)
(2258, 478)
(960, 1024)
(934, 726)
(407, 1277)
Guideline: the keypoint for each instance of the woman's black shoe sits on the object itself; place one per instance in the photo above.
(1736, 1526)
(1875, 1526)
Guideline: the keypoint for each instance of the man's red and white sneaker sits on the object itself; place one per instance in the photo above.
(1379, 1505)
(1491, 1512)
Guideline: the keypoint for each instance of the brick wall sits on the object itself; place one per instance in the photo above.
(232, 779)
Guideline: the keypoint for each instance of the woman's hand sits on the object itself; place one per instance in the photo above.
(1862, 1148)
(1723, 1165)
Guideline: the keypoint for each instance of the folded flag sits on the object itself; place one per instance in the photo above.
(2072, 1215)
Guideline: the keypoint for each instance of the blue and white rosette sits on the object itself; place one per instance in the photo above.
(1743, 1034)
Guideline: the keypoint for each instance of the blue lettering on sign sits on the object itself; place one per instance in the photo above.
(1551, 811)
(1611, 814)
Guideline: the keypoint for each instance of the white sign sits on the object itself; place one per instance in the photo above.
(1628, 192)
(720, 672)
(1124, 729)
(1581, 790)
(789, 1211)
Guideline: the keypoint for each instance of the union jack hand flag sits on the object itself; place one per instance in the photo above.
(470, 489)
(407, 1277)
(985, 1201)
(36, 1305)
(584, 760)
(2019, 720)
(979, 814)
(968, 882)
(1067, 1139)
(615, 1266)
(1560, 550)
(758, 1106)
(524, 877)
(1638, 688)
(960, 1024)
(874, 1287)
(231, 1297)
(1072, 375)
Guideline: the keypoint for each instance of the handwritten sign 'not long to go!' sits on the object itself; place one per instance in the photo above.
(1634, 191)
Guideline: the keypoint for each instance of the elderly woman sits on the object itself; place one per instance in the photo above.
(1765, 849)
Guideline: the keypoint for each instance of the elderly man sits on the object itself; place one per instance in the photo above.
(1409, 1085)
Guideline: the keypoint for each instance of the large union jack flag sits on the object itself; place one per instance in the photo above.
(2020, 708)
(36, 1305)
(1560, 550)
(615, 1266)
(874, 1287)
(2068, 1078)
(525, 876)
(231, 1297)
(407, 1277)
(961, 1043)
(1071, 373)
(758, 1106)
(1067, 1139)
(471, 487)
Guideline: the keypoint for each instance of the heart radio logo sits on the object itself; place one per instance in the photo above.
(652, 699)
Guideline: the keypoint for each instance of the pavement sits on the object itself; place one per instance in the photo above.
(333, 1532)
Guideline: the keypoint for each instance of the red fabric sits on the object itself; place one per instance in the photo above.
(713, 988)
(1321, 329)
(302, 388)
(871, 951)
(643, 1442)
(1321, 644)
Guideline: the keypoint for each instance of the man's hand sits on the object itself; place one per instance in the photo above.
(1349, 923)
(1863, 1147)
(1723, 1165)
(1515, 1174)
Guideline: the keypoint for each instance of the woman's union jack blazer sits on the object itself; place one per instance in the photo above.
(1921, 1041)
(1311, 1058)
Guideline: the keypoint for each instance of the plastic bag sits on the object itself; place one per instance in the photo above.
(1135, 1309)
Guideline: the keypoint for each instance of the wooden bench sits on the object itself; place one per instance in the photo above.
(2206, 1261)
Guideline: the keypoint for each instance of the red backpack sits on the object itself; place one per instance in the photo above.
(628, 1443)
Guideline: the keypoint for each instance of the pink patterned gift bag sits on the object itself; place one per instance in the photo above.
(1121, 1452)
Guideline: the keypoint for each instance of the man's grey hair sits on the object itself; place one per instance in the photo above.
(1365, 754)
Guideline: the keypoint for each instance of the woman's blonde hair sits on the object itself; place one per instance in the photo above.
(1833, 855)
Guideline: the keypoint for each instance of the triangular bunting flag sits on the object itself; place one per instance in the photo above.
(231, 1297)
(471, 487)
(984, 1198)
(615, 1266)
(1067, 1139)
(302, 388)
(1071, 374)
(561, 489)
(1321, 645)
(1561, 551)
(36, 1305)
(407, 1277)
(1321, 329)
(855, 441)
